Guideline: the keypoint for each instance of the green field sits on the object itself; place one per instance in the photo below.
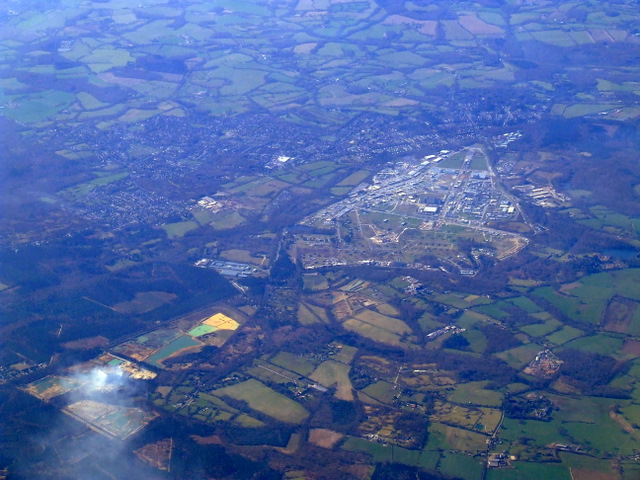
(474, 393)
(453, 438)
(227, 220)
(179, 229)
(525, 304)
(461, 466)
(534, 431)
(265, 400)
(564, 335)
(201, 330)
(345, 354)
(382, 391)
(306, 316)
(541, 329)
(520, 356)
(354, 179)
(602, 344)
(105, 100)
(314, 282)
(478, 162)
(585, 308)
(461, 300)
(297, 364)
(530, 471)
(470, 318)
(392, 453)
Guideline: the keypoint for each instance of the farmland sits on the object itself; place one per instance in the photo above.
(263, 399)
(320, 239)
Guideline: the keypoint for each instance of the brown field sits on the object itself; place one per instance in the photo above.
(581, 474)
(342, 310)
(304, 47)
(330, 373)
(380, 365)
(324, 438)
(243, 256)
(135, 351)
(425, 377)
(618, 314)
(212, 440)
(122, 81)
(164, 390)
(158, 454)
(144, 302)
(86, 343)
(363, 472)
(474, 25)
(450, 414)
(135, 115)
(400, 102)
(632, 347)
(622, 422)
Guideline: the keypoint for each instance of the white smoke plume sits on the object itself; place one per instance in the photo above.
(75, 450)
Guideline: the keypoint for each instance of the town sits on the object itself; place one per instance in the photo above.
(407, 208)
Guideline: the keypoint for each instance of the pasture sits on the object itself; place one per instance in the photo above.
(520, 356)
(461, 466)
(294, 363)
(261, 398)
(473, 393)
(385, 322)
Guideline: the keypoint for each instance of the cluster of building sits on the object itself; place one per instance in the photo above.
(441, 331)
(413, 285)
(17, 370)
(499, 460)
(120, 204)
(427, 192)
(208, 203)
(567, 448)
(228, 269)
(545, 365)
(546, 197)
(506, 138)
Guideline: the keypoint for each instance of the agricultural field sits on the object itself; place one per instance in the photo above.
(331, 373)
(432, 208)
(159, 345)
(474, 392)
(264, 400)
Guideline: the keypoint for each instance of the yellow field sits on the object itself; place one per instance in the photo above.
(221, 322)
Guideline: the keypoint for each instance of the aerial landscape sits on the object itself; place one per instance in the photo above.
(320, 239)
